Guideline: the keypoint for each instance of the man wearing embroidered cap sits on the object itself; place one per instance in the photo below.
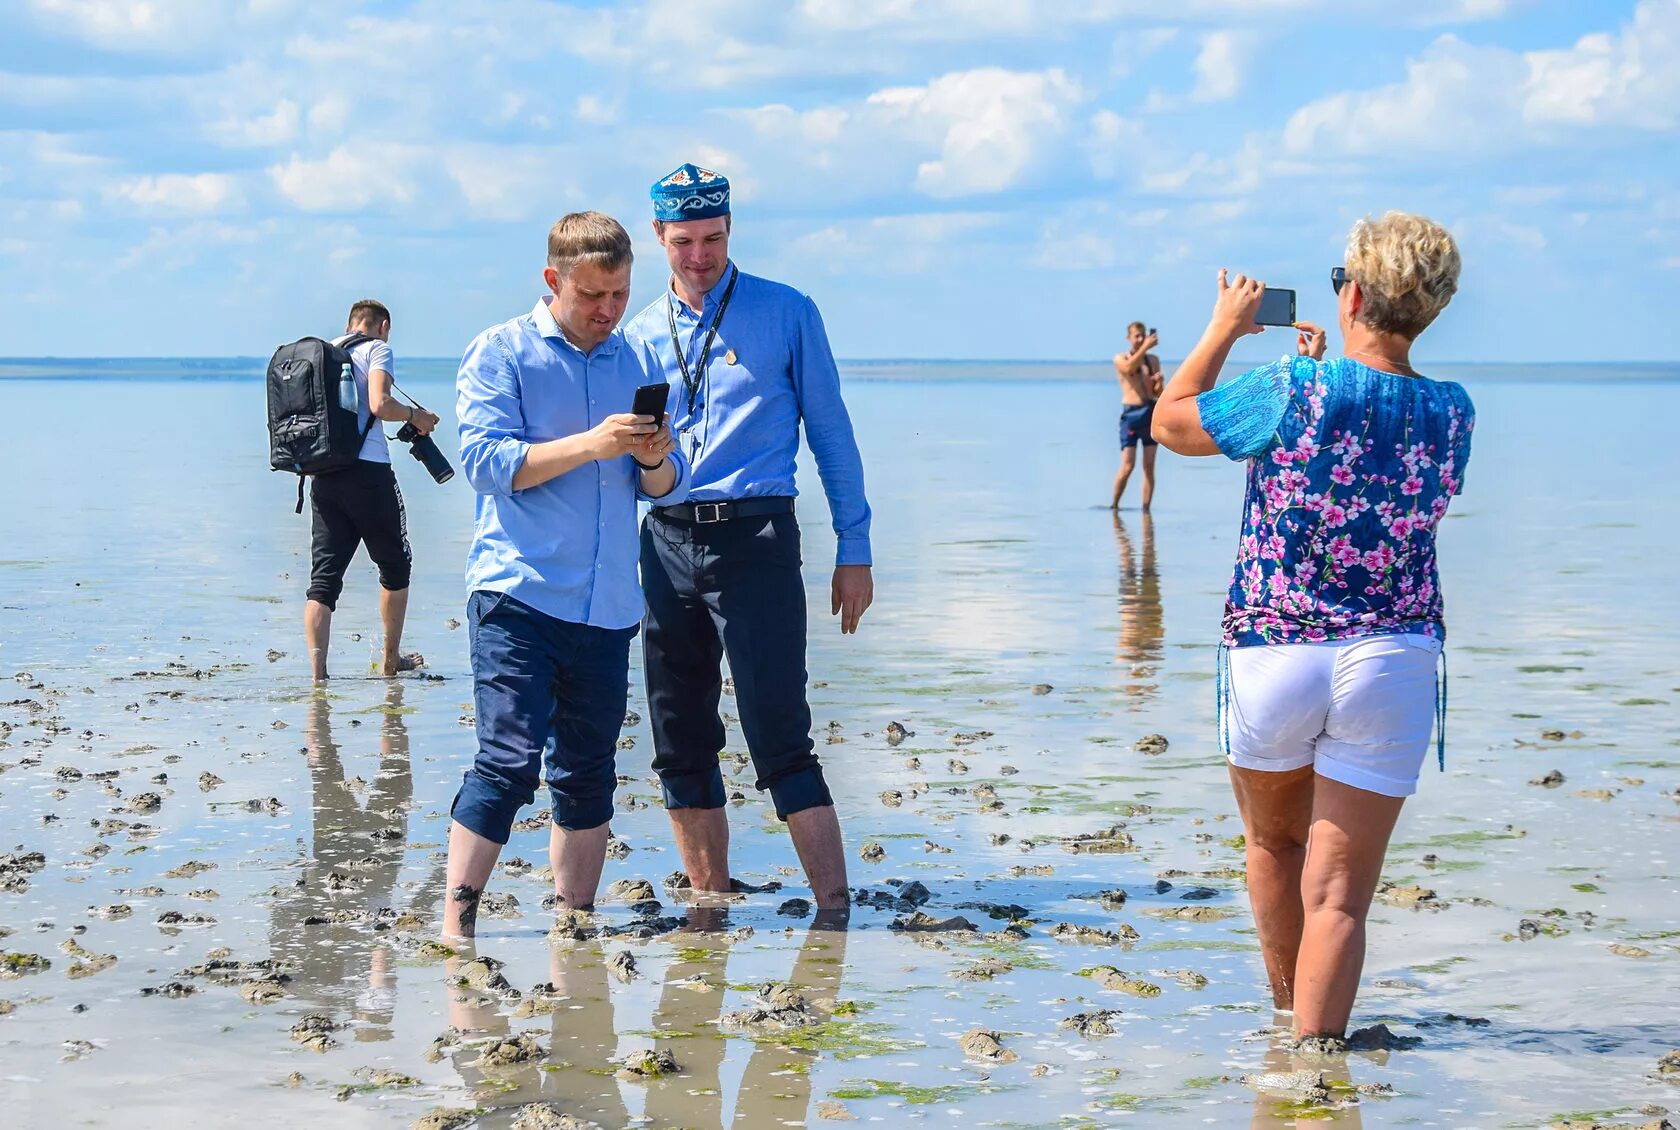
(748, 360)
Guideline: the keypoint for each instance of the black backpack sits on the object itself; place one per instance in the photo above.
(310, 432)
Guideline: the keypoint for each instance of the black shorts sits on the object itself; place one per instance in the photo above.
(1135, 421)
(358, 504)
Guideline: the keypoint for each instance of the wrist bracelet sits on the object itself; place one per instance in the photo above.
(645, 467)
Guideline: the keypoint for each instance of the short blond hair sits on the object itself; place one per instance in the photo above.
(592, 237)
(1407, 270)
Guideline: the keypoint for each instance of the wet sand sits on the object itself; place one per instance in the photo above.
(232, 912)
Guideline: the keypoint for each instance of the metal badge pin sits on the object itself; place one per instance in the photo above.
(729, 357)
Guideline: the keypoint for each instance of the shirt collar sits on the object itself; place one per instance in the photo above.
(548, 327)
(713, 296)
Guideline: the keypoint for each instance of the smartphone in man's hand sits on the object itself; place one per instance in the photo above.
(650, 401)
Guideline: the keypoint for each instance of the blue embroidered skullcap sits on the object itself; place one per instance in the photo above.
(691, 193)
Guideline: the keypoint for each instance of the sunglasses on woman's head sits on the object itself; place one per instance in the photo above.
(1338, 278)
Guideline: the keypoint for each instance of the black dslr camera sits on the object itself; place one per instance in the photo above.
(423, 449)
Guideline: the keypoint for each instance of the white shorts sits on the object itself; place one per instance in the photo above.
(1360, 711)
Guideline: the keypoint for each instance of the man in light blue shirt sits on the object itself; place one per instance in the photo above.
(748, 360)
(558, 461)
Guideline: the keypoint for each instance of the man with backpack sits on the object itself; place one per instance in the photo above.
(360, 503)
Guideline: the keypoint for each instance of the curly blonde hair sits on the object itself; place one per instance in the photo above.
(1407, 270)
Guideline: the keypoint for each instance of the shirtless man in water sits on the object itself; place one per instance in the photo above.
(1140, 385)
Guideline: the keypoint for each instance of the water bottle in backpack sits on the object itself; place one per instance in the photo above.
(347, 398)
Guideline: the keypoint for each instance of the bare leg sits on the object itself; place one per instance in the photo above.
(1128, 460)
(576, 857)
(471, 859)
(1149, 451)
(1350, 833)
(1277, 814)
(317, 636)
(816, 837)
(703, 840)
(393, 610)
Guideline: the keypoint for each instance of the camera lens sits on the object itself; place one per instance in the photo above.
(423, 449)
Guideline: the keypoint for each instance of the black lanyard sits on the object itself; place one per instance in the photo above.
(691, 379)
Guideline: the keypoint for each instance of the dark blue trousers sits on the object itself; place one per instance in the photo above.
(728, 588)
(544, 690)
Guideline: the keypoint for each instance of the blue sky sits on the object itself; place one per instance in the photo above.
(948, 178)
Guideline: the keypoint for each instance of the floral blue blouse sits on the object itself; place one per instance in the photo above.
(1350, 470)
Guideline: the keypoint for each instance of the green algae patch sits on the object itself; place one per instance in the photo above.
(1442, 966)
(858, 1089)
(1203, 1082)
(1212, 945)
(842, 1040)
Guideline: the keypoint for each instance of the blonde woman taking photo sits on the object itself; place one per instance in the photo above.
(1333, 627)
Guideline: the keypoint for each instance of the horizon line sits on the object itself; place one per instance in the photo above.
(255, 358)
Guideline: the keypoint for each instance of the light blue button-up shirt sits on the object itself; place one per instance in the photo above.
(567, 547)
(770, 368)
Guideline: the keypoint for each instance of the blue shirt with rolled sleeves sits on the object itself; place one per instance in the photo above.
(567, 547)
(770, 367)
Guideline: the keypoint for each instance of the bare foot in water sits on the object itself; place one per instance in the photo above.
(413, 661)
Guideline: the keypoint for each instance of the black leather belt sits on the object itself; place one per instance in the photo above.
(706, 513)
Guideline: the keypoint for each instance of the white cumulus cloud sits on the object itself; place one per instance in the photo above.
(183, 193)
(992, 125)
(348, 179)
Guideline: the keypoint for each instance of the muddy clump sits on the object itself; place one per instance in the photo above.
(984, 1044)
(632, 891)
(573, 926)
(1115, 981)
(872, 852)
(485, 975)
(189, 869)
(173, 990)
(983, 970)
(1379, 1038)
(640, 1067)
(1093, 1024)
(1668, 1067)
(1072, 932)
(510, 1050)
(444, 1118)
(622, 965)
(1151, 744)
(896, 733)
(1107, 841)
(1298, 1086)
(15, 965)
(549, 1116)
(175, 920)
(1192, 913)
(1111, 899)
(920, 923)
(315, 1032)
(1550, 780)
(779, 1007)
(1408, 897)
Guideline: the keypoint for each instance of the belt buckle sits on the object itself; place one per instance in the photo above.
(700, 509)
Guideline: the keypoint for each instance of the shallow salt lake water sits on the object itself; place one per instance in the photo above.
(153, 571)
